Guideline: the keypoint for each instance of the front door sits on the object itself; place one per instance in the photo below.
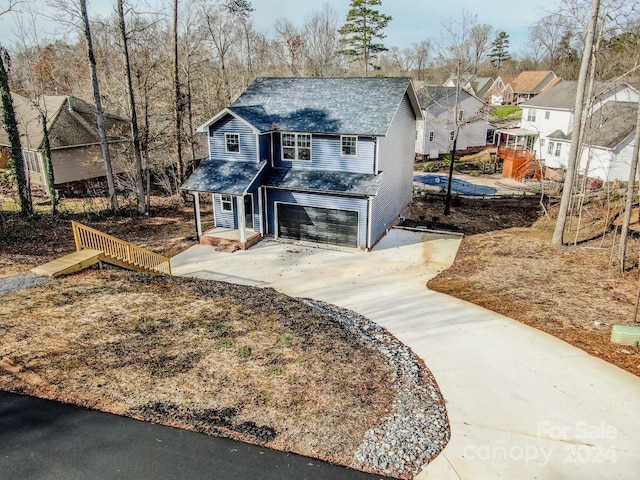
(248, 211)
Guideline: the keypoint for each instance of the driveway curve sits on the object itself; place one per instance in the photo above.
(521, 403)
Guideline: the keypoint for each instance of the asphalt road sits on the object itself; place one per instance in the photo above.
(41, 439)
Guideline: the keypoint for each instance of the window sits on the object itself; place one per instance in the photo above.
(550, 149)
(32, 161)
(349, 146)
(531, 115)
(542, 142)
(452, 134)
(547, 115)
(296, 146)
(460, 115)
(226, 203)
(558, 148)
(432, 136)
(232, 141)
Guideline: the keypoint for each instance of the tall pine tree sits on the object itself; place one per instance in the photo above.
(500, 49)
(364, 25)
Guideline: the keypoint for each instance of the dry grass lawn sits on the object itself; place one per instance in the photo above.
(573, 293)
(247, 363)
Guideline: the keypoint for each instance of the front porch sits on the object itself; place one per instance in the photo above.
(222, 236)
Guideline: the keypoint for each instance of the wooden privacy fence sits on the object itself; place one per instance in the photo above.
(119, 252)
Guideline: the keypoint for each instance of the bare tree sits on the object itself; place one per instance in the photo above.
(177, 97)
(420, 56)
(293, 41)
(577, 130)
(133, 115)
(550, 34)
(480, 38)
(8, 5)
(322, 42)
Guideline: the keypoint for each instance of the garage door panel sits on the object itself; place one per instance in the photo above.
(316, 224)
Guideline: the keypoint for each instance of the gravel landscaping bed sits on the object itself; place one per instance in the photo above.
(417, 428)
(15, 283)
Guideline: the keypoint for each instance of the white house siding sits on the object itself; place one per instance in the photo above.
(307, 199)
(217, 142)
(438, 118)
(326, 155)
(608, 165)
(396, 154)
(558, 120)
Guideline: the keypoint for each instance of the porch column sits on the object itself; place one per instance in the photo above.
(213, 209)
(261, 215)
(196, 204)
(241, 220)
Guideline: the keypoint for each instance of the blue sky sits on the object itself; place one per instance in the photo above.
(413, 20)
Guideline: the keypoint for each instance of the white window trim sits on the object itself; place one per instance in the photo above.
(223, 201)
(550, 148)
(460, 115)
(297, 159)
(558, 149)
(547, 114)
(342, 154)
(532, 115)
(432, 136)
(226, 142)
(452, 135)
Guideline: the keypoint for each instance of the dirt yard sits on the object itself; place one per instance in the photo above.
(505, 263)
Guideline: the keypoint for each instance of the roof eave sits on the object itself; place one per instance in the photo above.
(204, 128)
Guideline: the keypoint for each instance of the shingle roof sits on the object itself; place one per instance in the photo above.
(226, 177)
(431, 94)
(67, 126)
(611, 124)
(325, 181)
(563, 95)
(534, 81)
(363, 106)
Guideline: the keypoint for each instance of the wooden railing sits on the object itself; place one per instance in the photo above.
(119, 252)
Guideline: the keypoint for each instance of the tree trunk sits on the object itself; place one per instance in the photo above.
(135, 132)
(48, 164)
(573, 162)
(113, 198)
(177, 99)
(11, 127)
(631, 192)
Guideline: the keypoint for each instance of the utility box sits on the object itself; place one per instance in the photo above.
(625, 335)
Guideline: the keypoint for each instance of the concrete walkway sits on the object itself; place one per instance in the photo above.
(522, 404)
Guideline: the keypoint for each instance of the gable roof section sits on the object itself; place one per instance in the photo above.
(362, 106)
(429, 95)
(611, 124)
(534, 81)
(71, 122)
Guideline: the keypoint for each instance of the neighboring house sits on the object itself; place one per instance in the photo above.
(478, 86)
(529, 84)
(500, 90)
(435, 132)
(547, 122)
(76, 154)
(327, 160)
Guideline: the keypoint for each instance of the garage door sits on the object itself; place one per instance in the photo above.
(315, 224)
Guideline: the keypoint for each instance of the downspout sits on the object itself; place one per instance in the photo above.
(370, 224)
(376, 155)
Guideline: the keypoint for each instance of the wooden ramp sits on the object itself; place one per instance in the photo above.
(74, 262)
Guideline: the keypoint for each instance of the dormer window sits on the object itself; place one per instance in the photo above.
(232, 141)
(296, 146)
(349, 146)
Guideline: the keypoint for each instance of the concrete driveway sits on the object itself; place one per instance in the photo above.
(522, 404)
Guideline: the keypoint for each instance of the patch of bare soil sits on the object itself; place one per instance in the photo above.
(246, 363)
(573, 293)
(472, 216)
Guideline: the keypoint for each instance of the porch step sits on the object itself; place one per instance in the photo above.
(71, 263)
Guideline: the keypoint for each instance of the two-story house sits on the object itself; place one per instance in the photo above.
(436, 131)
(548, 118)
(327, 160)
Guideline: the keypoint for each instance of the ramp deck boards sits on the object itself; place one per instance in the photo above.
(71, 263)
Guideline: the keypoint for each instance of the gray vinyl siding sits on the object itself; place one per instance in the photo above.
(217, 143)
(396, 155)
(225, 219)
(318, 200)
(326, 155)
